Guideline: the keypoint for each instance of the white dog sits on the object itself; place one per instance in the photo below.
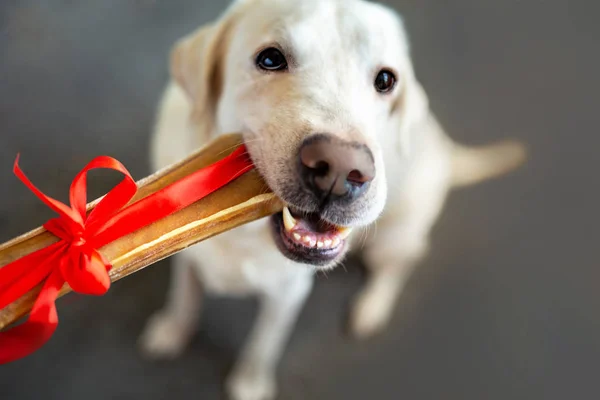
(325, 95)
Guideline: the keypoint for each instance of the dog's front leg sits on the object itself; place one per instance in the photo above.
(373, 306)
(169, 330)
(400, 242)
(253, 377)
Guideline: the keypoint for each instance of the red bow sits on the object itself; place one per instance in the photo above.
(75, 258)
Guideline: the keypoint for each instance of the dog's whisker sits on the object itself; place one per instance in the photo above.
(228, 149)
(375, 227)
(365, 237)
(343, 265)
(243, 171)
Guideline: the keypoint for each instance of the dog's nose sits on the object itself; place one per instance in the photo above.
(332, 167)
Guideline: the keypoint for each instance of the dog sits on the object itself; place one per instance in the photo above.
(335, 120)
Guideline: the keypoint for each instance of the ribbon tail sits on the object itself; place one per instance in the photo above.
(30, 336)
(18, 278)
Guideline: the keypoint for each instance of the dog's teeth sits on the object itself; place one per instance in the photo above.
(327, 242)
(343, 233)
(297, 236)
(320, 244)
(309, 241)
(288, 221)
(336, 242)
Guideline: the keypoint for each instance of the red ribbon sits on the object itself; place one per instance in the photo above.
(75, 258)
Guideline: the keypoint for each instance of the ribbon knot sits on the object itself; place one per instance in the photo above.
(78, 242)
(80, 265)
(75, 259)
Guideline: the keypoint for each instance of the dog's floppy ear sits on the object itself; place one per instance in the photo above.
(411, 108)
(197, 67)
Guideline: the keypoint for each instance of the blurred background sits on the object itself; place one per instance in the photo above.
(505, 306)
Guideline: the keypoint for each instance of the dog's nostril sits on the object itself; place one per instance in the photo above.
(321, 168)
(356, 178)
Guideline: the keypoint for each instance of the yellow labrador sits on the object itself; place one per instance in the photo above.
(334, 118)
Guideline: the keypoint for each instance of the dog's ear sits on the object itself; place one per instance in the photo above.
(197, 67)
(411, 108)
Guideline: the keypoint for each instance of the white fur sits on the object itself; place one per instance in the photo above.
(338, 47)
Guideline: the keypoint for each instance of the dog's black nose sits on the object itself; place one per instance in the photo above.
(332, 167)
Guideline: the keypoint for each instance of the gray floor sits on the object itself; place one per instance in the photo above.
(505, 307)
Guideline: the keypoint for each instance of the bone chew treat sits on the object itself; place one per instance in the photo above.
(244, 200)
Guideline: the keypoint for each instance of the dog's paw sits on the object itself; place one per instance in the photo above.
(369, 316)
(164, 337)
(248, 384)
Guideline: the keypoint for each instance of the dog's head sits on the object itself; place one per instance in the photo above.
(320, 89)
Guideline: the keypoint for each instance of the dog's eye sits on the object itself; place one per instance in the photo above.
(271, 59)
(385, 81)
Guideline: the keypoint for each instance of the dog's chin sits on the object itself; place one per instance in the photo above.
(306, 238)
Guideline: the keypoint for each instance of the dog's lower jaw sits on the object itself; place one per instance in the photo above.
(319, 258)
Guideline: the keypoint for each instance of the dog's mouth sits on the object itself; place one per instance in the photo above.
(307, 238)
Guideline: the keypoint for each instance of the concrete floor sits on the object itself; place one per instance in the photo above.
(506, 305)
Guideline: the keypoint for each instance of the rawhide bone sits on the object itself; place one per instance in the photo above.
(243, 200)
